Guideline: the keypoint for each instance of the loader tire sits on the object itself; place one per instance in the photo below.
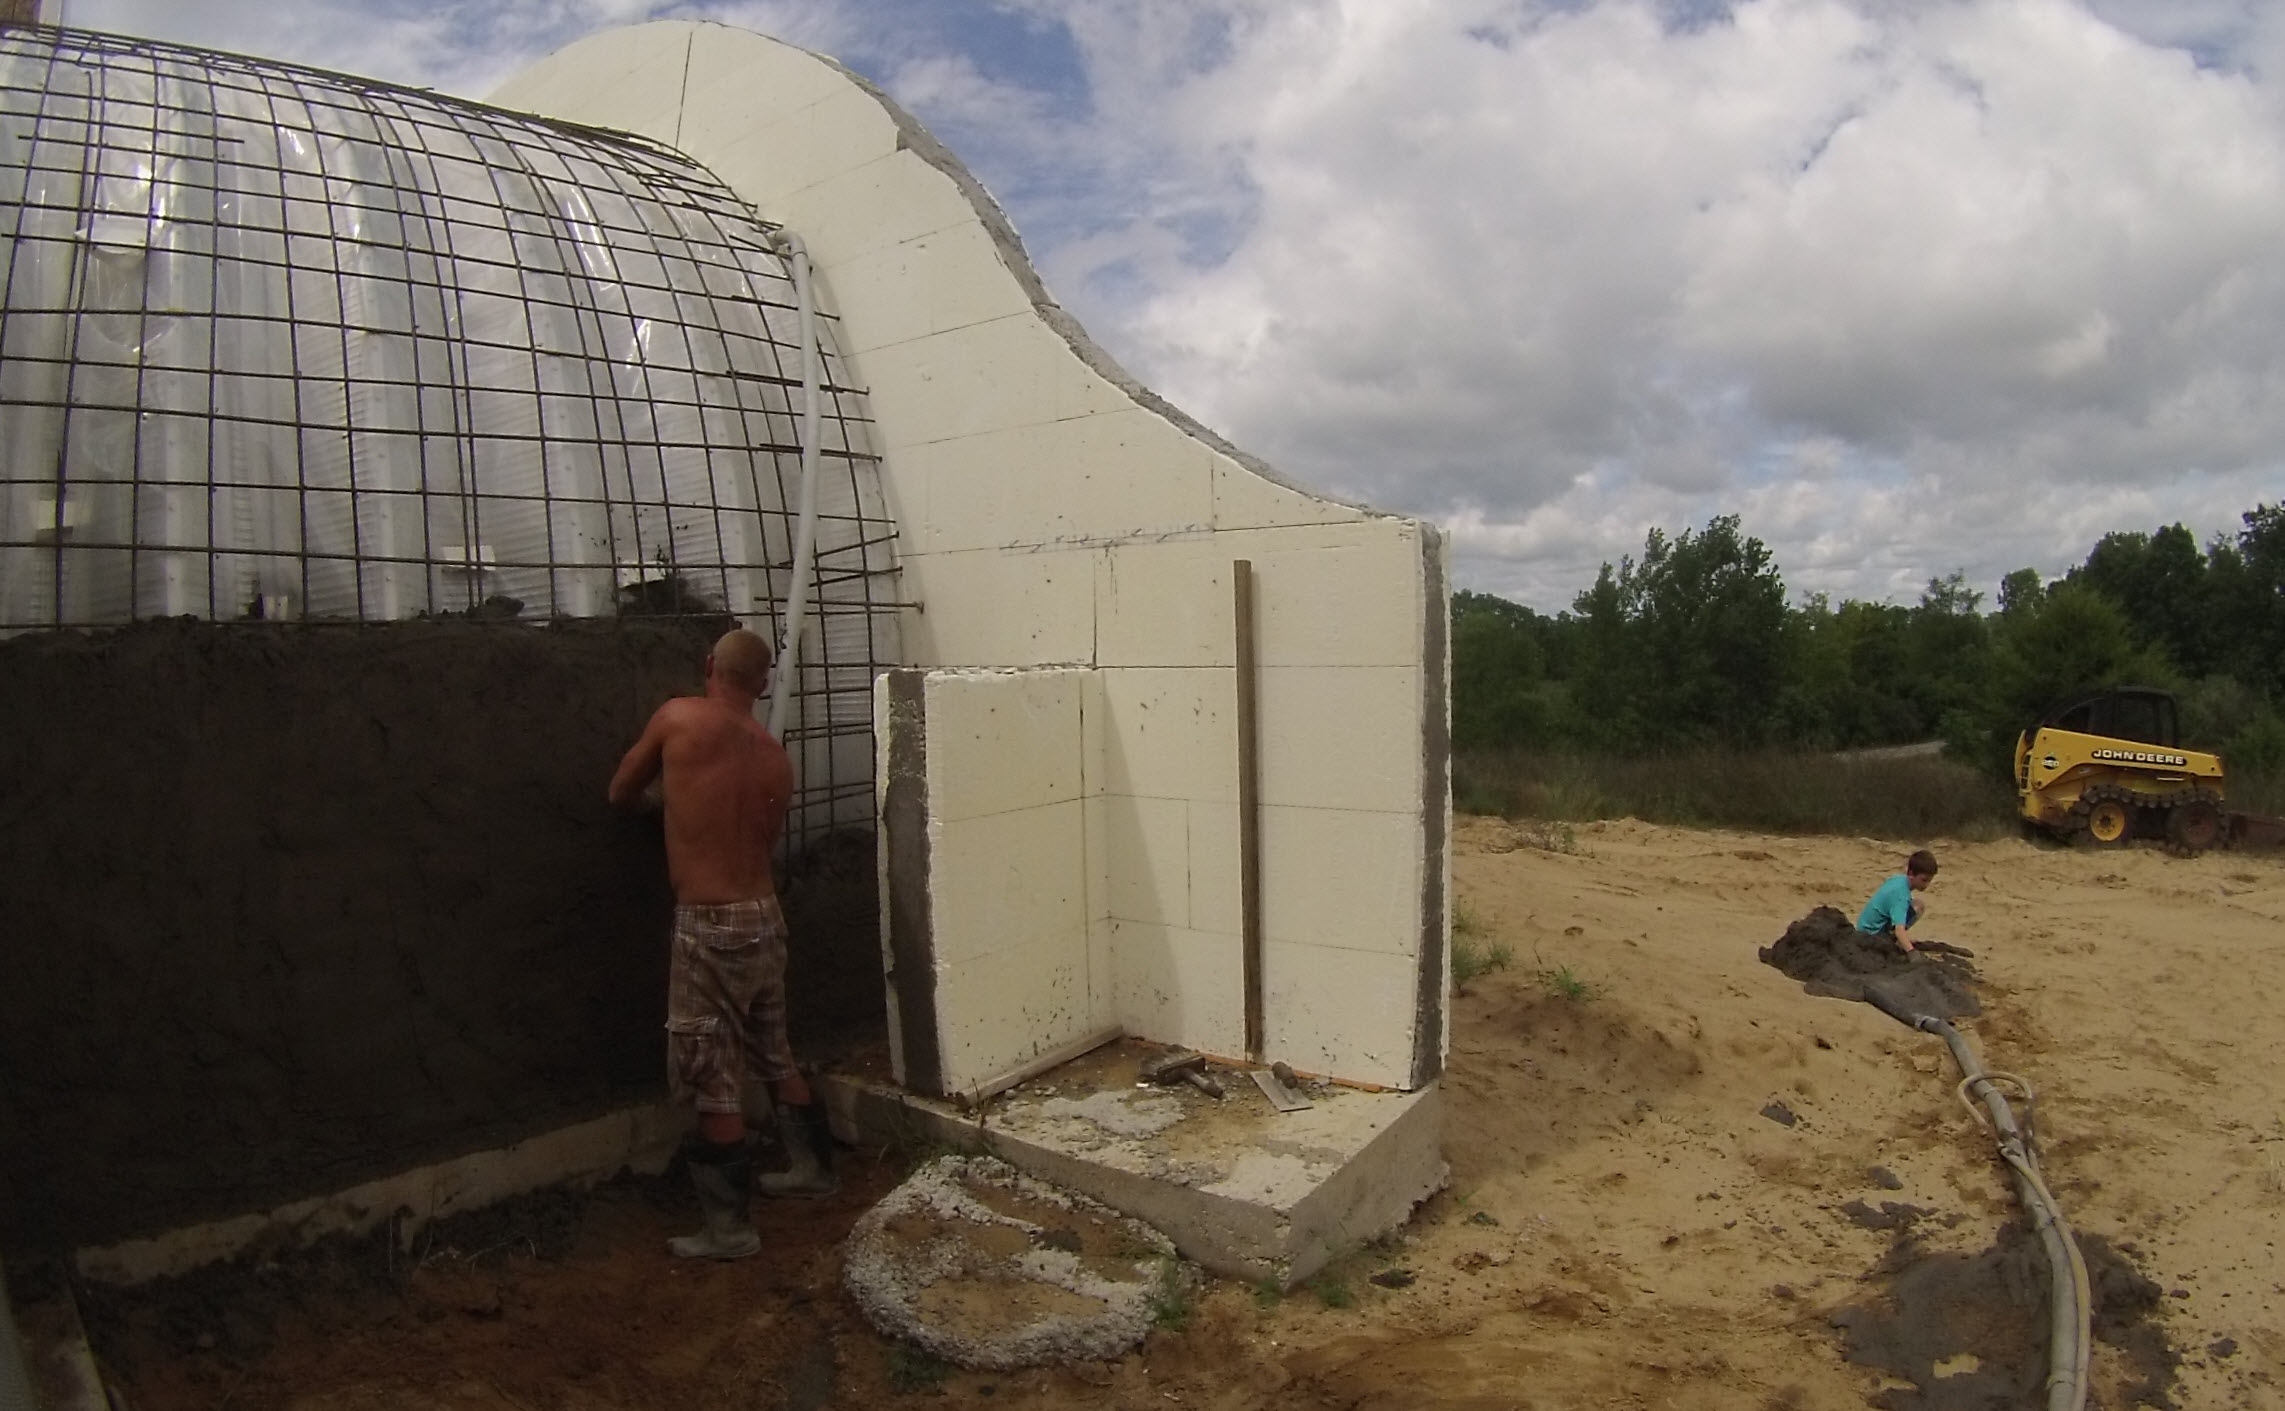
(2194, 825)
(2103, 817)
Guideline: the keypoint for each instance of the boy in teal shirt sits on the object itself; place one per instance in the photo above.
(1893, 911)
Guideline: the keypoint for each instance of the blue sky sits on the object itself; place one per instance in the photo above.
(1913, 287)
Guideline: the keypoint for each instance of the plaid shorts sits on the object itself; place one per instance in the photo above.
(725, 1002)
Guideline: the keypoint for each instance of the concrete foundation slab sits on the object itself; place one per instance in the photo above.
(1244, 1190)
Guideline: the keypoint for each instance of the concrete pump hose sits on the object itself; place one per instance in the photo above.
(2071, 1300)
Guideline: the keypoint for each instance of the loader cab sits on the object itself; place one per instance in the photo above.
(2141, 714)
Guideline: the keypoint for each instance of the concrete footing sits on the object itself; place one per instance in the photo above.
(640, 1137)
(1241, 1188)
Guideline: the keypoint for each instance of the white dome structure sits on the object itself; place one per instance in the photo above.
(1143, 739)
(283, 344)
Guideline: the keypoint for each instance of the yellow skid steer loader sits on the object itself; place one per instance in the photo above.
(2109, 768)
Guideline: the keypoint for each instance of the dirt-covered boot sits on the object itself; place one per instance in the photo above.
(724, 1178)
(808, 1141)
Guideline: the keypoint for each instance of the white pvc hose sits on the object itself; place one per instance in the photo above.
(805, 524)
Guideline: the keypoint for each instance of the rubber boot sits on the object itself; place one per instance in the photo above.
(724, 1179)
(808, 1141)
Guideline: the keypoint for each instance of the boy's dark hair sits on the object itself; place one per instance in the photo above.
(1921, 864)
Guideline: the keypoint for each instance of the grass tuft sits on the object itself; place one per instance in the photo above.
(1332, 1290)
(1171, 1303)
(1472, 958)
(1564, 983)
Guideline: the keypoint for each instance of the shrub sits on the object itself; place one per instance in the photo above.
(1910, 798)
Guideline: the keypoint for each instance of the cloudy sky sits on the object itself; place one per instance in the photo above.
(1913, 286)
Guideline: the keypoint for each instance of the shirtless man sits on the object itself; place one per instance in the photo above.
(726, 783)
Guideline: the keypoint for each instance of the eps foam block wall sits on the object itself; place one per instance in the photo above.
(994, 937)
(1054, 512)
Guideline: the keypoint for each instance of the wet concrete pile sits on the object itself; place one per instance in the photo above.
(1831, 957)
(285, 908)
(1969, 1330)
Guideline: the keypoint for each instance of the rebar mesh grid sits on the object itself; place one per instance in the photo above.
(283, 345)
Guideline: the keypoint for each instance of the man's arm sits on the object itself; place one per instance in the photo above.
(640, 768)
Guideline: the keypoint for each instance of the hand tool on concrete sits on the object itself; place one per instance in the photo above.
(1181, 1066)
(1276, 1083)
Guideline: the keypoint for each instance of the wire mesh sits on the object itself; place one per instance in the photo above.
(282, 345)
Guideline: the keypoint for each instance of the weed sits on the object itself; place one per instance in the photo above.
(914, 1369)
(1549, 835)
(1268, 1294)
(1564, 983)
(1464, 920)
(1170, 1302)
(1332, 1290)
(1470, 959)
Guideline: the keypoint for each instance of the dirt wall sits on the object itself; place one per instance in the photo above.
(284, 909)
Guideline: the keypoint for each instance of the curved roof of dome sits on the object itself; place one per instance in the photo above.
(279, 342)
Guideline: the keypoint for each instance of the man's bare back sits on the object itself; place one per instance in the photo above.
(726, 783)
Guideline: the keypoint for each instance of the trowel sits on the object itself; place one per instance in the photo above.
(1278, 1085)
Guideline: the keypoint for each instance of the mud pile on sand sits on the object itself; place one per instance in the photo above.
(1831, 957)
(1969, 1330)
(984, 1266)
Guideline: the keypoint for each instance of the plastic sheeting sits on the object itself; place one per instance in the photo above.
(282, 344)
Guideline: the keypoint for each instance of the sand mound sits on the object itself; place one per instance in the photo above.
(1831, 957)
(987, 1267)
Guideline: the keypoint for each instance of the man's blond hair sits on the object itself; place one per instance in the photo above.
(743, 659)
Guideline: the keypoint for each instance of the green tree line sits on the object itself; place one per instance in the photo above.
(1696, 644)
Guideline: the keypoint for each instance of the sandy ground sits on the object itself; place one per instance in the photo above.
(1625, 1227)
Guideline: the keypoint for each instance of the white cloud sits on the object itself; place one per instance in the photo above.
(1911, 286)
(1596, 272)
